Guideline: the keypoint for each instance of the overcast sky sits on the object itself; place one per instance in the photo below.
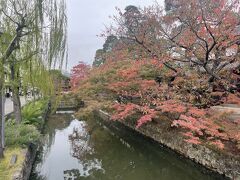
(86, 19)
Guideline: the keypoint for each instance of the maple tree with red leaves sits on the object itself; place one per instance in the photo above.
(202, 35)
(78, 73)
(179, 63)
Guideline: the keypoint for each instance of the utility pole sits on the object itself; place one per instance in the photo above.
(2, 122)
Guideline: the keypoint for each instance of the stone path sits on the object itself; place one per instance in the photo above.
(230, 108)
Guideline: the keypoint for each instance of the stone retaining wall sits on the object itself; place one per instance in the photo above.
(24, 171)
(214, 160)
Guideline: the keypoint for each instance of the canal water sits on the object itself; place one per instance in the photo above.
(74, 149)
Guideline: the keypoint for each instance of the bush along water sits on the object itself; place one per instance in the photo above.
(21, 135)
(32, 113)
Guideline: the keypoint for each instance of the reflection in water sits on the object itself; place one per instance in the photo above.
(81, 149)
(79, 140)
(86, 150)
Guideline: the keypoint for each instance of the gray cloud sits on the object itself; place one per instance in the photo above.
(86, 19)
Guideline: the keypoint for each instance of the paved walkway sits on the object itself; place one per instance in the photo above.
(9, 105)
(233, 109)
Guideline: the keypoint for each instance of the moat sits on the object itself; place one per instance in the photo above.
(75, 149)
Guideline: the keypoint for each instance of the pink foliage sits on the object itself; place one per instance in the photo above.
(191, 138)
(218, 144)
(78, 73)
(189, 123)
(196, 112)
(194, 140)
(172, 106)
(125, 111)
(144, 119)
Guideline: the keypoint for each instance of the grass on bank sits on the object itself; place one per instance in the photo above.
(7, 170)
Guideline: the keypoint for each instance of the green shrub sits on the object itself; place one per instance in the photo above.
(20, 135)
(32, 113)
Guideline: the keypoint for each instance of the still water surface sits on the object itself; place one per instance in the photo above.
(82, 150)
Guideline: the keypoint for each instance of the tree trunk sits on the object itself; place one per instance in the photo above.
(15, 95)
(2, 115)
(16, 105)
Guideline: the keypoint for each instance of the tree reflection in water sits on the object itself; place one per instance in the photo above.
(79, 141)
(82, 149)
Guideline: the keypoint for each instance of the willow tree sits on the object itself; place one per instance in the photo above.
(32, 33)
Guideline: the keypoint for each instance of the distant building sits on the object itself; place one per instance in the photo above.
(61, 81)
(7, 84)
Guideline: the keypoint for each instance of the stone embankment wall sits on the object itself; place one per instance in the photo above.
(24, 170)
(214, 160)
